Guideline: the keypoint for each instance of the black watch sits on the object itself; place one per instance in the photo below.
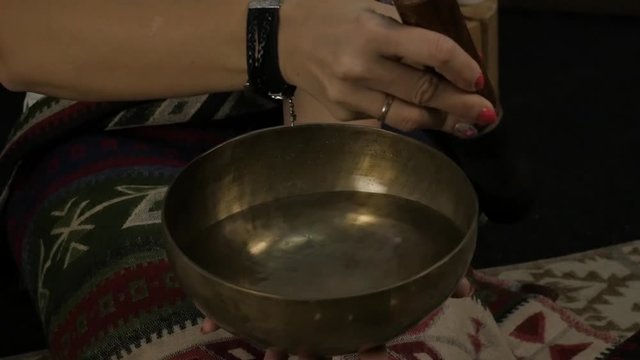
(263, 65)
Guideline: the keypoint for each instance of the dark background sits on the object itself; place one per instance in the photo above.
(570, 85)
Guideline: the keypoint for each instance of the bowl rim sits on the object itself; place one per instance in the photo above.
(465, 239)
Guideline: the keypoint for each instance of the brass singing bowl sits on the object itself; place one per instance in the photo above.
(320, 239)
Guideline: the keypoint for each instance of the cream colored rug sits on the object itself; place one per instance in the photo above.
(601, 286)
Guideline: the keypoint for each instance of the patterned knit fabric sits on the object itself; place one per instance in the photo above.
(84, 184)
(50, 120)
(85, 220)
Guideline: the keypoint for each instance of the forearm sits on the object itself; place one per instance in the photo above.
(123, 50)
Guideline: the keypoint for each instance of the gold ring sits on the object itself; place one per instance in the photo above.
(388, 101)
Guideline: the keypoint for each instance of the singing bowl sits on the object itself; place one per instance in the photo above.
(320, 239)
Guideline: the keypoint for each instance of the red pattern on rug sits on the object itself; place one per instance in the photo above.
(531, 330)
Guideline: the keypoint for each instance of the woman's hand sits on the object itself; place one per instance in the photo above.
(349, 55)
(463, 289)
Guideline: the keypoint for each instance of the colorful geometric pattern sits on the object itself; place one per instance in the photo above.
(601, 286)
(92, 247)
(83, 206)
(442, 336)
(50, 120)
(541, 330)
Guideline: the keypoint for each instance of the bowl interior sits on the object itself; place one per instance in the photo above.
(319, 211)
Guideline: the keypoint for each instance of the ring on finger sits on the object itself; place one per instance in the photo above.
(388, 101)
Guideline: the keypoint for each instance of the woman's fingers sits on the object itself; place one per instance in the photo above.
(463, 289)
(369, 104)
(427, 89)
(402, 115)
(437, 51)
(348, 55)
(208, 326)
(431, 49)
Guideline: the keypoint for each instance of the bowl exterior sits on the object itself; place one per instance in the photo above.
(323, 327)
(270, 164)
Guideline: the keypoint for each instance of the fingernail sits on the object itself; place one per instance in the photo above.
(466, 288)
(487, 117)
(472, 290)
(465, 130)
(480, 82)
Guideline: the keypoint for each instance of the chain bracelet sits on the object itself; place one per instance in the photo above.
(292, 111)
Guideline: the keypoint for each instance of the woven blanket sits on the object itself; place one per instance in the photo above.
(601, 286)
(82, 213)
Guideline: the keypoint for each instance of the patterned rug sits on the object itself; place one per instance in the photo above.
(601, 286)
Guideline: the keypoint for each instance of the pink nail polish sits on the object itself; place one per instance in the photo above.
(465, 130)
(480, 82)
(487, 117)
